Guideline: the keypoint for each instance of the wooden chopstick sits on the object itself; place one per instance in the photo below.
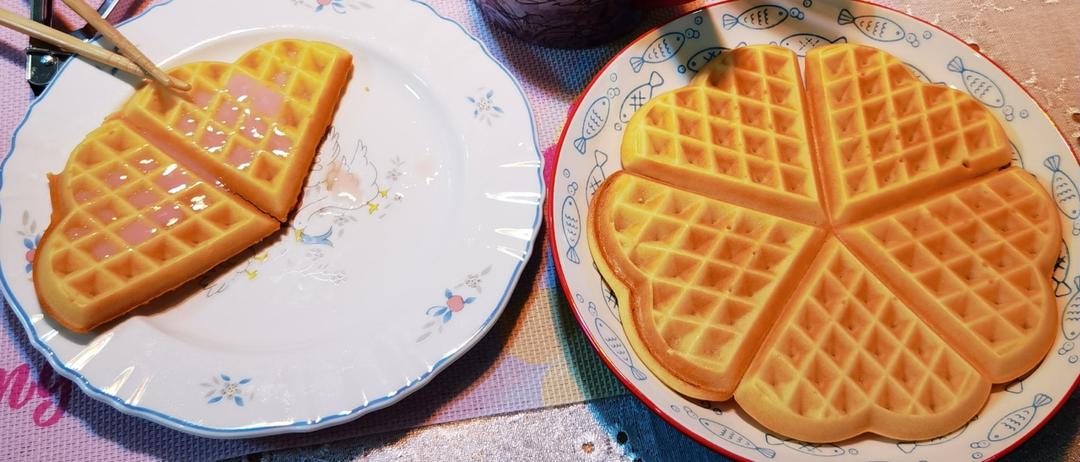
(127, 48)
(68, 43)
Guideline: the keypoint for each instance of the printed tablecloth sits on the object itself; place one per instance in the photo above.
(535, 357)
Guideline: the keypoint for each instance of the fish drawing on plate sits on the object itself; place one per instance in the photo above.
(596, 175)
(610, 299)
(978, 84)
(875, 27)
(698, 60)
(1016, 387)
(758, 17)
(571, 225)
(660, 50)
(813, 449)
(919, 74)
(640, 95)
(615, 344)
(1061, 272)
(704, 56)
(907, 447)
(731, 436)
(802, 43)
(595, 119)
(1015, 155)
(1070, 318)
(1014, 422)
(1064, 191)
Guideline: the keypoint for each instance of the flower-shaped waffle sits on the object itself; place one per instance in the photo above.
(884, 294)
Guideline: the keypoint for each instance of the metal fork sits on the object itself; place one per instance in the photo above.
(42, 59)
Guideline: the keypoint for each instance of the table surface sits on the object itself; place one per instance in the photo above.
(1037, 41)
(620, 427)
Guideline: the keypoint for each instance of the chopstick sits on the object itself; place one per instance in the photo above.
(127, 48)
(68, 43)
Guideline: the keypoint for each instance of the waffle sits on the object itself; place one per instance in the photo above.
(737, 133)
(705, 278)
(128, 224)
(883, 136)
(925, 281)
(256, 123)
(847, 356)
(975, 263)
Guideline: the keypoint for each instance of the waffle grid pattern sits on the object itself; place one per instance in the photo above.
(884, 131)
(970, 254)
(847, 348)
(132, 212)
(253, 143)
(711, 268)
(738, 125)
(944, 289)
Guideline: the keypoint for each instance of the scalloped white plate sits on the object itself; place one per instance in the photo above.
(419, 215)
(665, 59)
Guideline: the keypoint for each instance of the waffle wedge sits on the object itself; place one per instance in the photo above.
(128, 224)
(847, 357)
(703, 279)
(737, 133)
(255, 123)
(883, 136)
(974, 262)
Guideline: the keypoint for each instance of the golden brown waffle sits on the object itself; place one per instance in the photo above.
(975, 263)
(737, 133)
(128, 224)
(254, 124)
(847, 356)
(883, 136)
(934, 286)
(706, 278)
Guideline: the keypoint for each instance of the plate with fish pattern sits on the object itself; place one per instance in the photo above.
(667, 58)
(420, 212)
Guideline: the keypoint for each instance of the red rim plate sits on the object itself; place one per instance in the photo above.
(549, 212)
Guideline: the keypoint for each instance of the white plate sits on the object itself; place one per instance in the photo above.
(420, 213)
(628, 81)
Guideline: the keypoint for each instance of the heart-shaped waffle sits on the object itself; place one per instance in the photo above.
(707, 277)
(847, 357)
(737, 133)
(974, 262)
(883, 136)
(932, 282)
(255, 123)
(129, 223)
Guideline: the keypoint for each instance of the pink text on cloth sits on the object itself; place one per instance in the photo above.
(48, 397)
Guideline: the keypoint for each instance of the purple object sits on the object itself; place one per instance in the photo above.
(562, 23)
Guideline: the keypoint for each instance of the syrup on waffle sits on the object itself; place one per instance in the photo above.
(128, 224)
(254, 124)
(737, 133)
(146, 201)
(933, 285)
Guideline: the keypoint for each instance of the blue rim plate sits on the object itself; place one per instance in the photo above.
(421, 210)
